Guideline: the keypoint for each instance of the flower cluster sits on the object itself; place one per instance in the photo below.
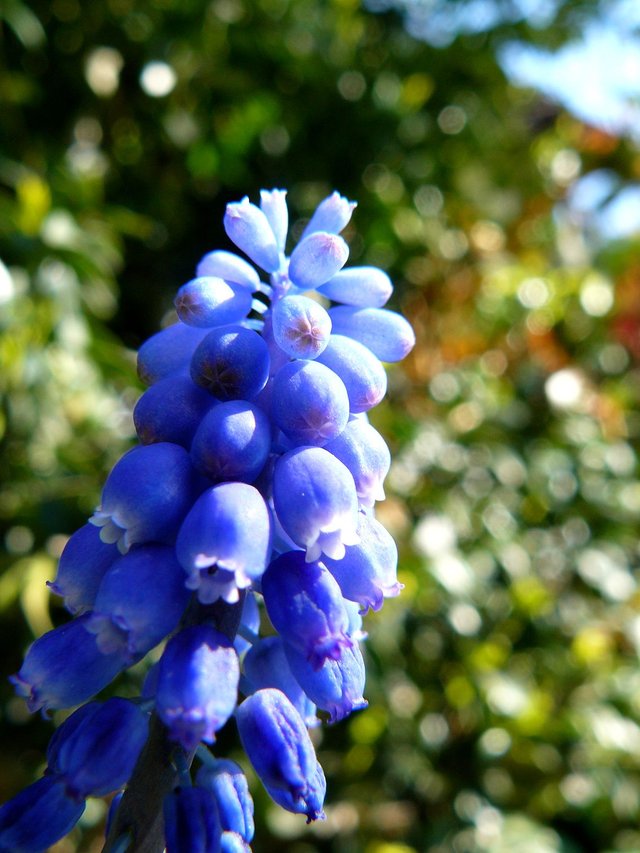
(249, 500)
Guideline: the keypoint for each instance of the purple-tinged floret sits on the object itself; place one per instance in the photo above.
(315, 500)
(249, 228)
(96, 754)
(367, 572)
(38, 817)
(224, 543)
(228, 784)
(197, 685)
(146, 496)
(337, 686)
(305, 606)
(316, 259)
(140, 601)
(332, 215)
(387, 334)
(310, 403)
(209, 301)
(266, 665)
(278, 745)
(191, 821)
(64, 668)
(83, 563)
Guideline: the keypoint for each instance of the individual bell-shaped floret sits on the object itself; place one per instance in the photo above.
(224, 543)
(232, 363)
(209, 301)
(96, 754)
(170, 410)
(367, 572)
(265, 665)
(337, 686)
(360, 370)
(309, 403)
(249, 228)
(230, 267)
(387, 334)
(38, 817)
(146, 496)
(365, 453)
(332, 215)
(315, 500)
(301, 326)
(191, 821)
(228, 784)
(305, 606)
(232, 442)
(140, 601)
(277, 743)
(83, 563)
(168, 352)
(361, 286)
(316, 259)
(65, 667)
(197, 685)
(273, 203)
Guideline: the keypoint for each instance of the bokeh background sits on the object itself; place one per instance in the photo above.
(497, 179)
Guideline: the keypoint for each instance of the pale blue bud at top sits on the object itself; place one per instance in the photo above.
(305, 606)
(209, 301)
(36, 818)
(232, 363)
(191, 821)
(228, 784)
(65, 667)
(274, 206)
(140, 601)
(232, 442)
(170, 410)
(228, 530)
(362, 373)
(265, 665)
(309, 403)
(335, 687)
(365, 453)
(315, 500)
(146, 496)
(387, 334)
(197, 685)
(316, 259)
(361, 286)
(83, 564)
(367, 572)
(230, 267)
(96, 755)
(332, 215)
(301, 326)
(168, 352)
(251, 231)
(278, 745)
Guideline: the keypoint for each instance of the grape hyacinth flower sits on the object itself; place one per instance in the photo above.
(250, 499)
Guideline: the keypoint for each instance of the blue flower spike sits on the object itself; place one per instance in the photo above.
(248, 500)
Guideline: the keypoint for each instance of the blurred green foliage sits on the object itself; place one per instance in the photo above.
(503, 683)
